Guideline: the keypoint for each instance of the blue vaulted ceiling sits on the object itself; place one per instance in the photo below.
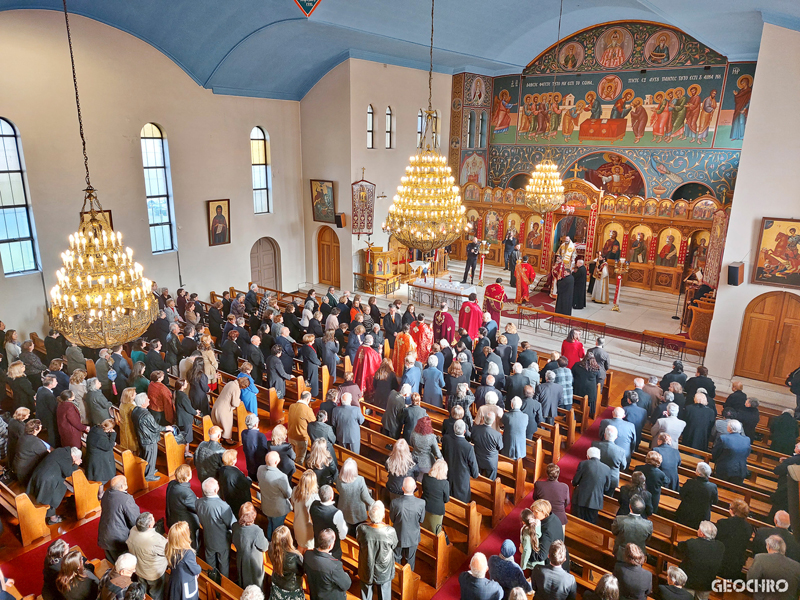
(267, 48)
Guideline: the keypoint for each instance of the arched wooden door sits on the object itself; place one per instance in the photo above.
(769, 346)
(328, 257)
(265, 263)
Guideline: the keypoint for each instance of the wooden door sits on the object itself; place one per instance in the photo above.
(770, 339)
(328, 257)
(264, 263)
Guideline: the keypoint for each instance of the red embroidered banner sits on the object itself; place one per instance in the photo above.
(589, 255)
(547, 241)
(653, 248)
(683, 250)
(623, 248)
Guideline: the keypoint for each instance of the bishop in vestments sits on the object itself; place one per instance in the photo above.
(525, 274)
(403, 344)
(444, 325)
(471, 316)
(367, 362)
(493, 299)
(423, 338)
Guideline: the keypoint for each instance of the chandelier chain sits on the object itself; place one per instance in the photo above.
(430, 70)
(77, 98)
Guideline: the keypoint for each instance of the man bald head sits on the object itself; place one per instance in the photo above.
(119, 483)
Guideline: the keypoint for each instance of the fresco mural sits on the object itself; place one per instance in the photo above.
(505, 104)
(735, 105)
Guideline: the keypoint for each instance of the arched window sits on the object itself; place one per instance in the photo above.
(389, 126)
(471, 129)
(420, 126)
(262, 172)
(482, 131)
(157, 189)
(17, 247)
(435, 132)
(370, 128)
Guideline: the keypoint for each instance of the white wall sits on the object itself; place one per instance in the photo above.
(125, 83)
(335, 146)
(766, 186)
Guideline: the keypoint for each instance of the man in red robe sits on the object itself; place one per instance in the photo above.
(367, 362)
(525, 275)
(444, 325)
(423, 336)
(493, 299)
(471, 316)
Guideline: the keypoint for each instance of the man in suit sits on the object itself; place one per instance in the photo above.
(460, 457)
(670, 425)
(774, 566)
(377, 338)
(654, 391)
(548, 394)
(552, 580)
(392, 419)
(181, 502)
(516, 382)
(254, 445)
(488, 443)
(153, 360)
(644, 398)
(701, 380)
(493, 367)
(411, 415)
(325, 573)
(730, 454)
(412, 375)
(277, 375)
(392, 325)
(528, 356)
(591, 480)
(626, 432)
(432, 383)
(780, 498)
(601, 356)
(122, 367)
(149, 432)
(284, 341)
(478, 354)
(532, 408)
(256, 358)
(631, 529)
(475, 585)
(670, 460)
(515, 426)
(702, 559)
(46, 406)
(612, 455)
(118, 515)
(673, 589)
(489, 386)
(346, 421)
(217, 520)
(782, 523)
(697, 497)
(635, 415)
(407, 514)
(275, 493)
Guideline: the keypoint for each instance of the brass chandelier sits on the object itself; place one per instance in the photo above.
(102, 299)
(426, 213)
(545, 190)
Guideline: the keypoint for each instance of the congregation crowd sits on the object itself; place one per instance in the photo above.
(71, 406)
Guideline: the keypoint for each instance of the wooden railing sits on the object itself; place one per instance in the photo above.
(671, 347)
(558, 325)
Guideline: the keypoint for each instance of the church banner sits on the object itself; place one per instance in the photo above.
(363, 207)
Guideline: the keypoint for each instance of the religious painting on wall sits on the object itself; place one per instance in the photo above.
(698, 249)
(680, 209)
(513, 223)
(637, 206)
(219, 219)
(491, 228)
(611, 172)
(778, 258)
(735, 105)
(322, 201)
(472, 220)
(477, 92)
(704, 210)
(533, 239)
(504, 110)
(471, 192)
(669, 241)
(639, 244)
(487, 195)
(612, 240)
(473, 169)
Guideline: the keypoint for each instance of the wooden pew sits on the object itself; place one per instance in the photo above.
(132, 467)
(30, 517)
(173, 452)
(85, 491)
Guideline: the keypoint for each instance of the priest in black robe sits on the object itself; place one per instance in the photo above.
(565, 288)
(48, 483)
(592, 267)
(579, 293)
(513, 259)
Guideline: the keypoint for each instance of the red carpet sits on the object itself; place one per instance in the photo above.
(508, 528)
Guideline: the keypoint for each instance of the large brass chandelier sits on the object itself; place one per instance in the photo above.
(426, 213)
(545, 190)
(102, 298)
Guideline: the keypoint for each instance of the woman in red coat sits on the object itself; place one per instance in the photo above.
(68, 418)
(161, 406)
(572, 348)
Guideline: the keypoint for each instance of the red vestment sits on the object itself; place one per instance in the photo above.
(367, 362)
(525, 275)
(444, 326)
(470, 318)
(493, 300)
(403, 344)
(423, 336)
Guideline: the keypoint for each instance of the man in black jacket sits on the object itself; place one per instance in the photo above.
(407, 513)
(321, 429)
(488, 443)
(460, 457)
(118, 515)
(48, 483)
(393, 415)
(702, 559)
(549, 394)
(149, 433)
(256, 358)
(782, 523)
(182, 502)
(592, 479)
(153, 360)
(697, 497)
(701, 380)
(173, 347)
(325, 574)
(46, 405)
(392, 325)
(533, 408)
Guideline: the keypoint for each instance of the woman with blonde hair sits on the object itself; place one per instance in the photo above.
(436, 493)
(303, 495)
(20, 385)
(210, 364)
(400, 465)
(183, 562)
(251, 544)
(16, 429)
(354, 496)
(74, 581)
(321, 462)
(280, 444)
(77, 385)
(287, 567)
(127, 432)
